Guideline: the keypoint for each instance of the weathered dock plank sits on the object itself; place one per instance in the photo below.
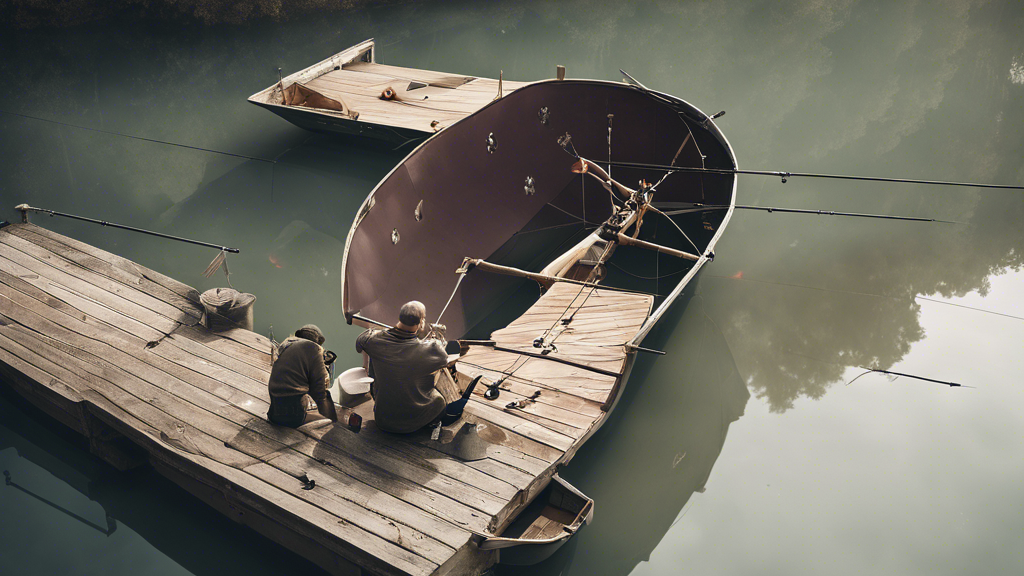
(105, 345)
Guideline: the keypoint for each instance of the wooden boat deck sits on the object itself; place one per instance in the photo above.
(117, 352)
(352, 77)
(446, 99)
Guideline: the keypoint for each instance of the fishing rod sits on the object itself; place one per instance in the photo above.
(700, 207)
(25, 209)
(879, 371)
(786, 175)
(891, 373)
(566, 143)
(356, 316)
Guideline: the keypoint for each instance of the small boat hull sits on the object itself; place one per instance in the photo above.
(324, 123)
(554, 517)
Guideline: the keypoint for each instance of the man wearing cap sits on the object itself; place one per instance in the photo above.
(403, 367)
(299, 381)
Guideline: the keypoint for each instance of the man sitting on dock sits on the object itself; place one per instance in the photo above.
(403, 367)
(299, 381)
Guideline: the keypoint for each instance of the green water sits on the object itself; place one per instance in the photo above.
(742, 451)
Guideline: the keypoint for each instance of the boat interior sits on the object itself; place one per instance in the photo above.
(352, 85)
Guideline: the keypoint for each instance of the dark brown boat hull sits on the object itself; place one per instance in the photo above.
(483, 180)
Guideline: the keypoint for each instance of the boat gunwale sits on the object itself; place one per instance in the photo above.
(322, 68)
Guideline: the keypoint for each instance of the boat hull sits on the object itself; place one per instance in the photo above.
(325, 123)
(559, 499)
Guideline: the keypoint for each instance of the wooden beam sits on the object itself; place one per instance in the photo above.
(628, 241)
(543, 279)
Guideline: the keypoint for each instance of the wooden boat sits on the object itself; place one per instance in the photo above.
(344, 94)
(494, 198)
(542, 528)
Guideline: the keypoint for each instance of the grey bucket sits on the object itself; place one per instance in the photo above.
(227, 308)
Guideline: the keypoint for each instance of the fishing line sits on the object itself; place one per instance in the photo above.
(699, 207)
(838, 291)
(639, 277)
(583, 196)
(450, 298)
(657, 261)
(699, 153)
(554, 227)
(667, 217)
(968, 307)
(786, 175)
(112, 133)
(567, 213)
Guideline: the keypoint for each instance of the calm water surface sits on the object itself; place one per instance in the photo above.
(743, 451)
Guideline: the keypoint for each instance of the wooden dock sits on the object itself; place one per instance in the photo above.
(117, 352)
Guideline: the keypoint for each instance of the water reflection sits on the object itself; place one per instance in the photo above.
(658, 447)
(158, 525)
(888, 89)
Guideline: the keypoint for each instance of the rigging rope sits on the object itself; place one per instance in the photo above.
(433, 330)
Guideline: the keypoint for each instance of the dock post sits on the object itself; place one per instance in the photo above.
(24, 208)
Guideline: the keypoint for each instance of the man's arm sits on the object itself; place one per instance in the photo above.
(363, 338)
(319, 381)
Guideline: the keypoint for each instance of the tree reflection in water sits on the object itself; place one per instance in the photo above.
(658, 447)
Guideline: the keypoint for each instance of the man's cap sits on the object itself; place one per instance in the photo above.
(311, 332)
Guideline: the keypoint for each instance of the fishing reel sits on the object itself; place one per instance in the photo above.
(329, 358)
(494, 389)
(545, 348)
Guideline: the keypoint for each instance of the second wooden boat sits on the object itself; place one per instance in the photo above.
(350, 93)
